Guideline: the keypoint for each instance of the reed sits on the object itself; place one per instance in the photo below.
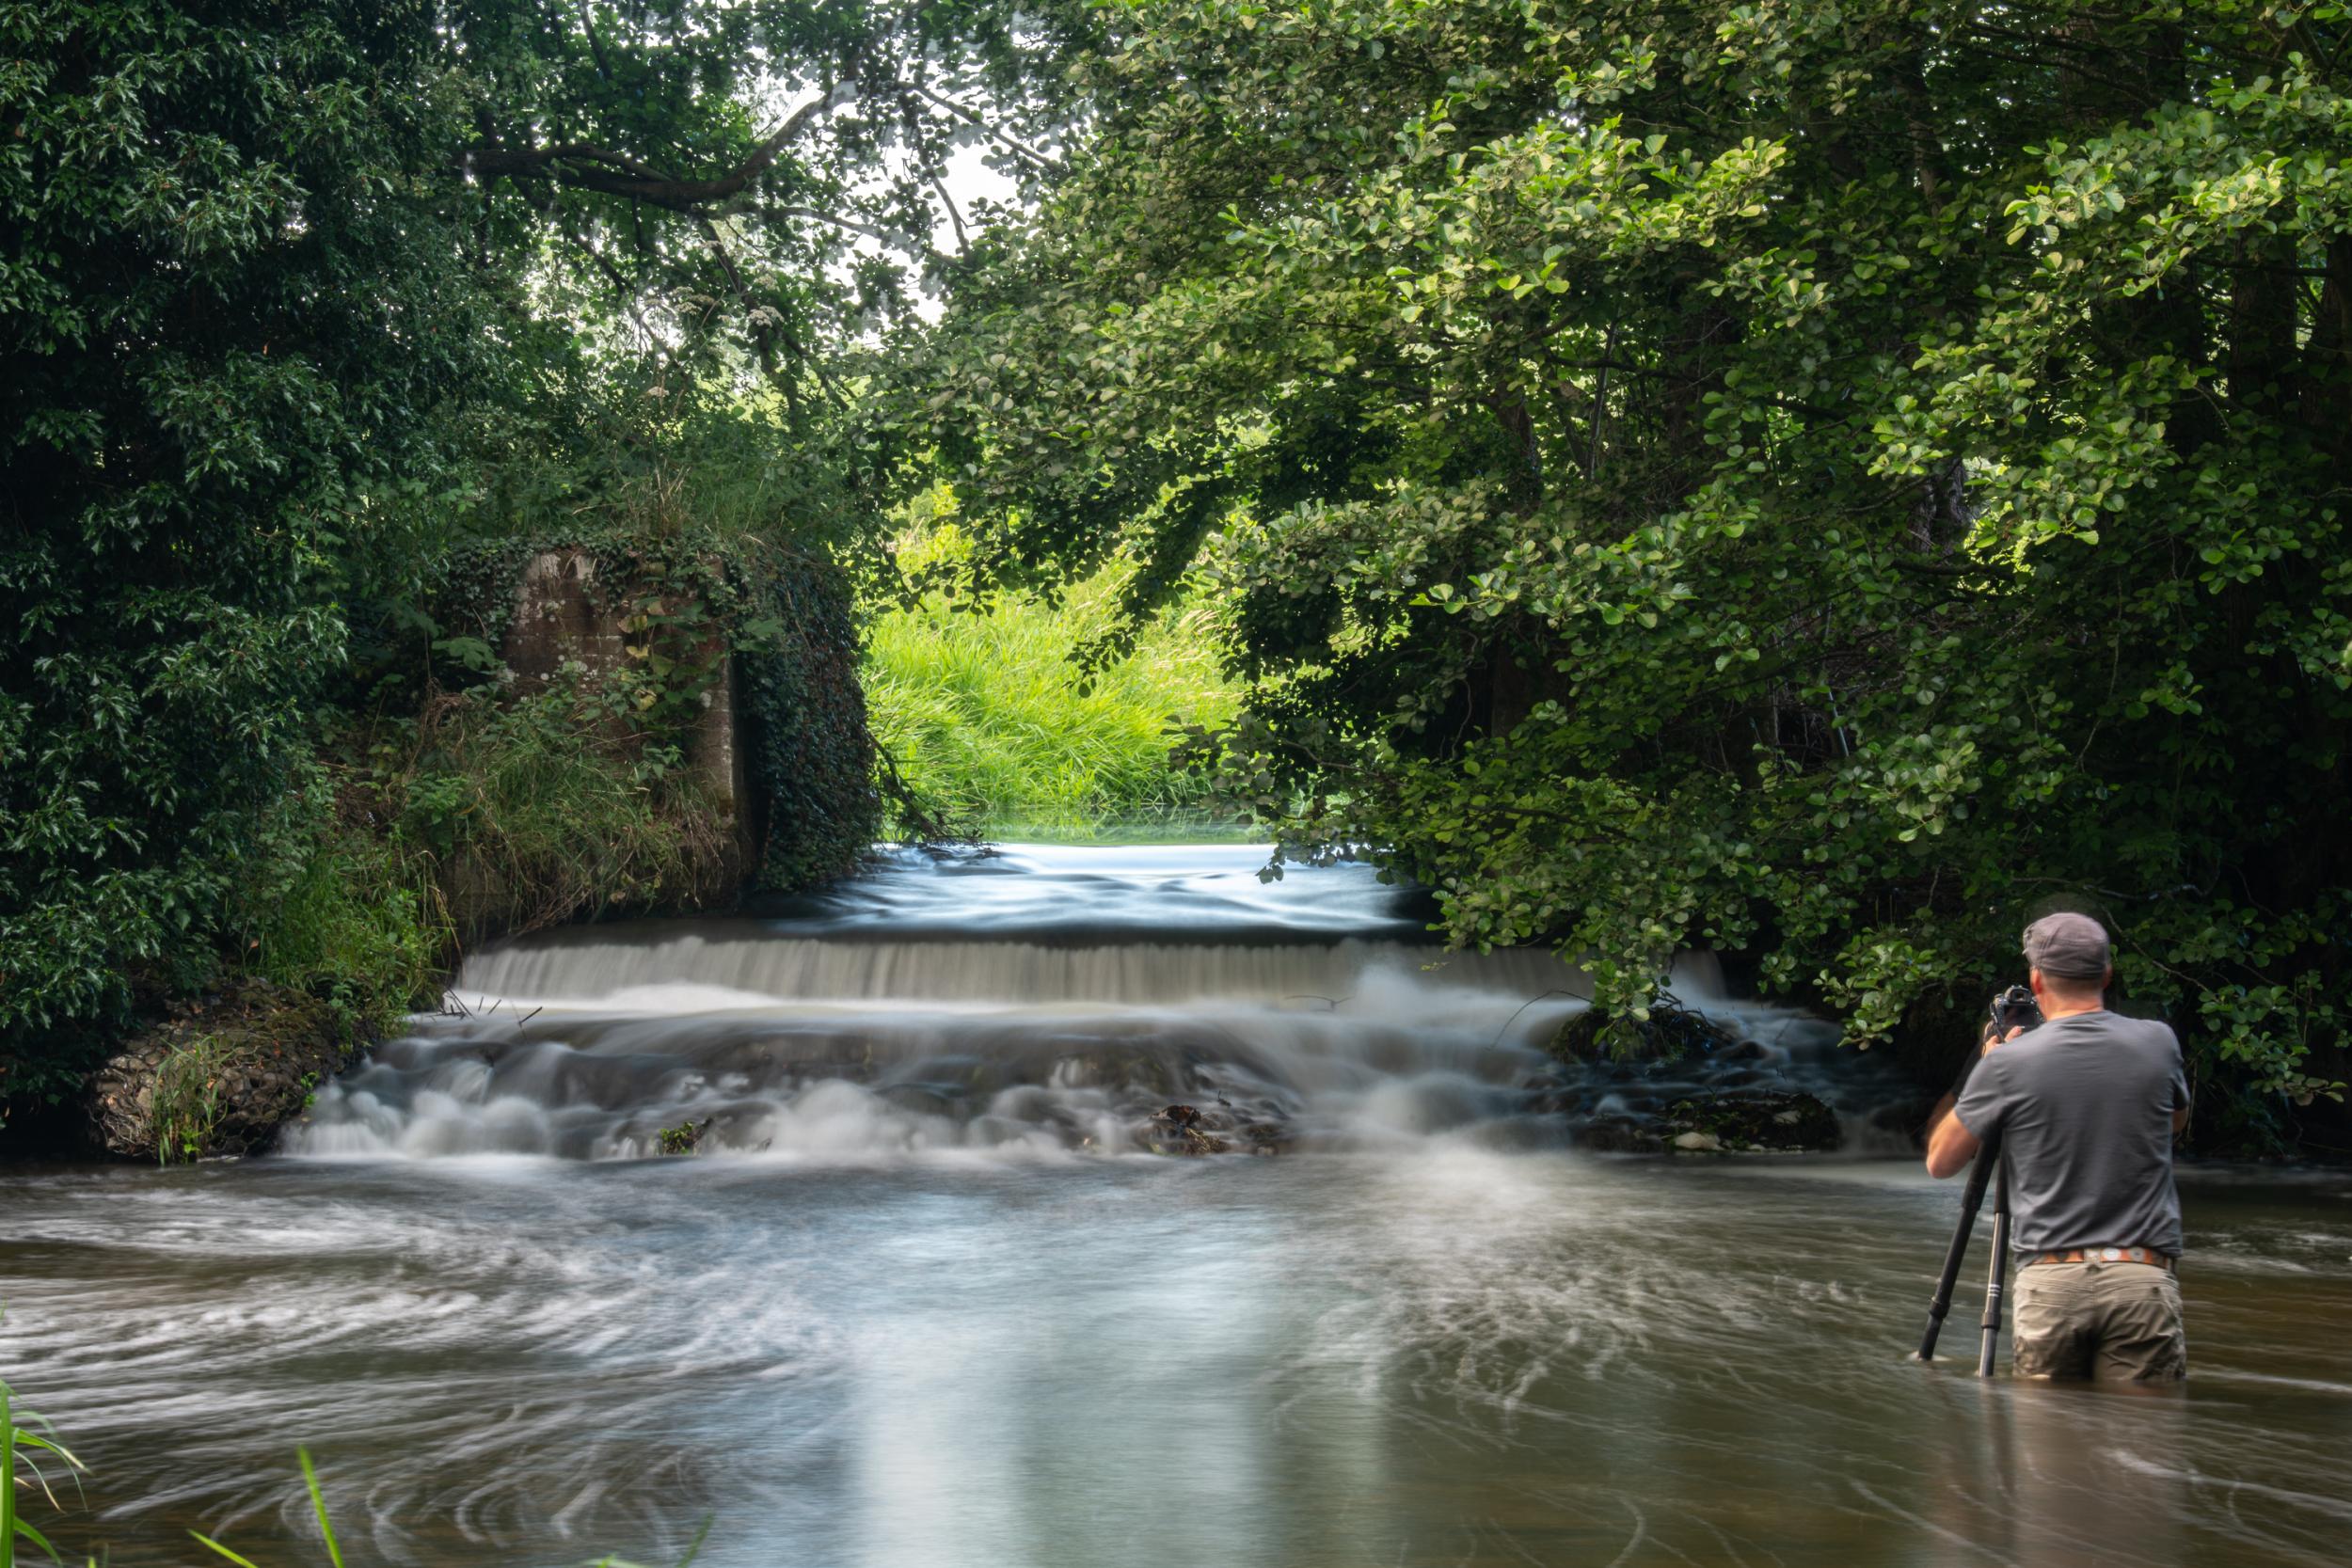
(187, 1104)
(21, 1469)
(19, 1442)
(335, 1550)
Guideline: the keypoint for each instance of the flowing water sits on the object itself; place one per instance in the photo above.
(925, 1299)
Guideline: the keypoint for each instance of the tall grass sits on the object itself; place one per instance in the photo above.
(186, 1102)
(549, 806)
(359, 923)
(990, 721)
(336, 909)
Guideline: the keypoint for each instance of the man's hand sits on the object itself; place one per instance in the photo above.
(1990, 1043)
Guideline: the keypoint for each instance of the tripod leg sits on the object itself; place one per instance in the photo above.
(1996, 1275)
(1971, 1200)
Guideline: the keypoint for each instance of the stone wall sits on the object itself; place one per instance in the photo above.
(219, 1076)
(562, 613)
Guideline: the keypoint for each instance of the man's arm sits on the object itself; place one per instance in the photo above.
(2180, 1087)
(1950, 1146)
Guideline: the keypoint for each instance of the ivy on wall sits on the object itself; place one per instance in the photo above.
(810, 754)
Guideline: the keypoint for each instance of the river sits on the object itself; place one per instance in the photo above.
(920, 1301)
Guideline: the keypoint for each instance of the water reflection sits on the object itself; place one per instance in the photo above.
(2091, 1475)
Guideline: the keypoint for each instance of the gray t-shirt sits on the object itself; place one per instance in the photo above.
(2084, 1109)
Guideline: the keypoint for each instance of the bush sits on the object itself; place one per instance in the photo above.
(203, 413)
(341, 911)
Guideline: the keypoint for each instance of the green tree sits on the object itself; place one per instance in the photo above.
(295, 297)
(1818, 479)
(227, 303)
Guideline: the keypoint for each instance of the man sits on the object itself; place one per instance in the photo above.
(2085, 1107)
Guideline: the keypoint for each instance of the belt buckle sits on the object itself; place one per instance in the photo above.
(2113, 1254)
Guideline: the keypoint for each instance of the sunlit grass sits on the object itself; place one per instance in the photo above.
(992, 723)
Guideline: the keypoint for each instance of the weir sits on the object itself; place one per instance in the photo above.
(1038, 1001)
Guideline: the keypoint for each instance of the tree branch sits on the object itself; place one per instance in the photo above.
(963, 241)
(583, 165)
(1012, 144)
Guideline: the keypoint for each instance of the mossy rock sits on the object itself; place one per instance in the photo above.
(220, 1077)
(1740, 1121)
(1593, 1037)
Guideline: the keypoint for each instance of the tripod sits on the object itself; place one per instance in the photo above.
(2014, 1009)
(1991, 1169)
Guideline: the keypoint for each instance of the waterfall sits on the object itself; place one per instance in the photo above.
(1040, 1002)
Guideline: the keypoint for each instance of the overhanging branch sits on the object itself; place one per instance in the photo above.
(584, 166)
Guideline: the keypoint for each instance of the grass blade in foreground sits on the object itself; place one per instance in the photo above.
(318, 1506)
(15, 1443)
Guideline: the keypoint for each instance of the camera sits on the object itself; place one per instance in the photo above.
(2014, 1009)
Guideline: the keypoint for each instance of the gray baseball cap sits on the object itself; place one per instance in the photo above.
(2069, 946)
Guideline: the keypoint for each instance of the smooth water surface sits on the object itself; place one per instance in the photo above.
(915, 1307)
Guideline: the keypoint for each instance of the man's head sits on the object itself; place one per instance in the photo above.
(2067, 955)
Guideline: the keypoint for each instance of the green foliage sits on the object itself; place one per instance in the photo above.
(222, 307)
(293, 300)
(1823, 480)
(547, 805)
(992, 719)
(694, 595)
(186, 1105)
(340, 910)
(810, 754)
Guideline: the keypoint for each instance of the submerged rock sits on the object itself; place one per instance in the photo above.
(220, 1078)
(1736, 1121)
(1182, 1130)
(1191, 1130)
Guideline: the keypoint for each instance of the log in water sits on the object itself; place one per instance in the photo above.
(915, 1306)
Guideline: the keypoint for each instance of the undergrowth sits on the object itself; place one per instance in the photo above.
(548, 806)
(186, 1105)
(339, 910)
(489, 810)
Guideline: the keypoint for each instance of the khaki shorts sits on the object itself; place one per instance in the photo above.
(2113, 1321)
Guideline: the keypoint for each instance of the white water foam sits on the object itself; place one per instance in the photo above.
(820, 1038)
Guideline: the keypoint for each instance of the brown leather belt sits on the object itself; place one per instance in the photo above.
(2106, 1255)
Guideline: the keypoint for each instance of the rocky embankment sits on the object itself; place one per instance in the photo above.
(219, 1076)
